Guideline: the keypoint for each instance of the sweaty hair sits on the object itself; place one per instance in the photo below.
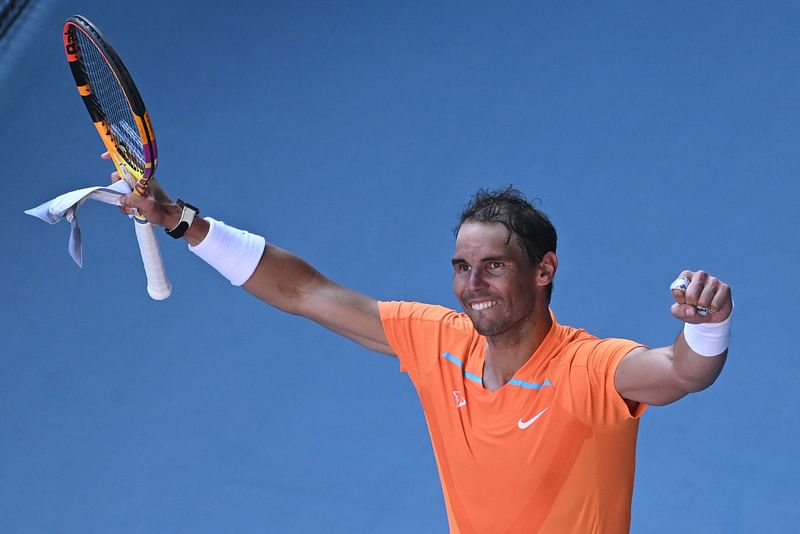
(509, 207)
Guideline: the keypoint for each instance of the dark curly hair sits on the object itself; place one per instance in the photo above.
(509, 207)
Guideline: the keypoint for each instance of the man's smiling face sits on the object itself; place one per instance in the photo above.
(493, 278)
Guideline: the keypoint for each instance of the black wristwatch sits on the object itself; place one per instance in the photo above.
(188, 213)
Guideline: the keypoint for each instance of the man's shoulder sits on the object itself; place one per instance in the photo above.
(421, 312)
(572, 336)
(578, 346)
(420, 333)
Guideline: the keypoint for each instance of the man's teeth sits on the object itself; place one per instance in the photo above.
(478, 306)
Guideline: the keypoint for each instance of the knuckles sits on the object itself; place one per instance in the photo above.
(704, 290)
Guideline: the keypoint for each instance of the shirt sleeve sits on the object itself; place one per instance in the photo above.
(589, 378)
(418, 332)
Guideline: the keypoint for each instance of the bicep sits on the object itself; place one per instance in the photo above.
(349, 313)
(663, 375)
(292, 285)
(648, 376)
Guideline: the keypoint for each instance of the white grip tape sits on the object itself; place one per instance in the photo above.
(232, 252)
(158, 286)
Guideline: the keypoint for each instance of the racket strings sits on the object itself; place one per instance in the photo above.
(112, 102)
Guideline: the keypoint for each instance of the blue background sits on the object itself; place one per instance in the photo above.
(657, 137)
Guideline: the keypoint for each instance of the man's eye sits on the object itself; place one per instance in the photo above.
(461, 267)
(494, 265)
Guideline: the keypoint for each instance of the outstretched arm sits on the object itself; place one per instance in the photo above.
(284, 280)
(292, 285)
(663, 375)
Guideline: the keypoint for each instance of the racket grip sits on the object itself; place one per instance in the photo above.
(158, 287)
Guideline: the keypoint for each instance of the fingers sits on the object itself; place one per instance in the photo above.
(115, 177)
(685, 312)
(695, 291)
(147, 206)
(721, 300)
(152, 203)
(700, 297)
(679, 286)
(702, 289)
(130, 203)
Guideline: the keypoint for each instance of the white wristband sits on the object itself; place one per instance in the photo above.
(234, 253)
(708, 339)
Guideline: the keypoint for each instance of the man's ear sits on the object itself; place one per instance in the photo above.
(547, 269)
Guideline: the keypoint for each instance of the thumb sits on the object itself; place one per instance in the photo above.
(130, 201)
(127, 204)
(147, 207)
(684, 312)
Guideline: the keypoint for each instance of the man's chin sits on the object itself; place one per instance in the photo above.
(487, 328)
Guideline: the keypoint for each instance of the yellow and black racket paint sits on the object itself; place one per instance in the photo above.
(121, 119)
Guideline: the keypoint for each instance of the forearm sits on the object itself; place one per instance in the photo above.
(196, 232)
(663, 375)
(270, 273)
(694, 372)
(285, 281)
(279, 278)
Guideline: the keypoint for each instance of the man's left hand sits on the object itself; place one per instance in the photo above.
(702, 291)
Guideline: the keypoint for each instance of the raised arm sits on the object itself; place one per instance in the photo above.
(284, 280)
(663, 375)
(292, 285)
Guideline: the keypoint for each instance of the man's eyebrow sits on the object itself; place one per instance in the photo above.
(456, 260)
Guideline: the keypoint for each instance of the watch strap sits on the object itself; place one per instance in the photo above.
(188, 213)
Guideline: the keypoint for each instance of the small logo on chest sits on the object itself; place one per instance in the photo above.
(459, 397)
(522, 425)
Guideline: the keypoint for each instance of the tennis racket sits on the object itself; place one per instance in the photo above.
(119, 115)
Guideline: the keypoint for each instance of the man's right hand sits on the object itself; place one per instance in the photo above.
(156, 207)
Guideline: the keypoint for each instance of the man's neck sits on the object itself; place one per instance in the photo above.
(507, 352)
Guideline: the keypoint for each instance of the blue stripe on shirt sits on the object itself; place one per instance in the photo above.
(475, 378)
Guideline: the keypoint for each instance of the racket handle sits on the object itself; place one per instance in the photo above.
(158, 287)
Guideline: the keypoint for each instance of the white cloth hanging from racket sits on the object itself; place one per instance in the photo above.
(66, 207)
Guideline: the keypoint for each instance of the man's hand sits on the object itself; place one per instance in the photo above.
(663, 375)
(701, 291)
(156, 207)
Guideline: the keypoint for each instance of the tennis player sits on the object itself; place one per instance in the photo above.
(533, 423)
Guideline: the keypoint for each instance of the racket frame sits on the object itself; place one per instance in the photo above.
(137, 174)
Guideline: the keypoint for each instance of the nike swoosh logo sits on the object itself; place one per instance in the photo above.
(525, 424)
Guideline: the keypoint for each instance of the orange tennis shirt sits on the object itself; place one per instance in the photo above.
(552, 451)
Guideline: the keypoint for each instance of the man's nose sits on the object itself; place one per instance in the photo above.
(476, 279)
